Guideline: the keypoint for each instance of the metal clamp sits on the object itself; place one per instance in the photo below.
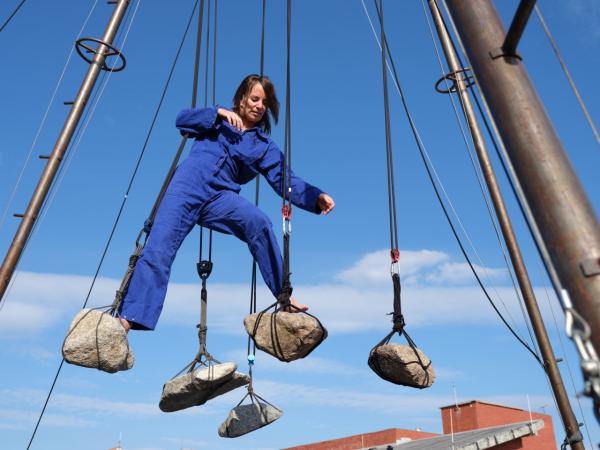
(83, 49)
(204, 269)
(579, 331)
(452, 76)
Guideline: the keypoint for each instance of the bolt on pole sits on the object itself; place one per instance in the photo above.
(97, 64)
(457, 73)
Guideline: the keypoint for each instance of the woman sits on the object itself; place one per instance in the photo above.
(230, 149)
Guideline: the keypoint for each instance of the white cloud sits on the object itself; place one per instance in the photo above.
(435, 291)
(374, 267)
(393, 401)
(19, 419)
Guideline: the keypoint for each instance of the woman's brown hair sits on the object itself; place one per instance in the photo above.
(271, 99)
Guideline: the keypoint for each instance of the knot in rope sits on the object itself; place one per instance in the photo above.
(133, 259)
(148, 225)
(399, 323)
(286, 291)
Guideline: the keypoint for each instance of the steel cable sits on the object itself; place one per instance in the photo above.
(13, 14)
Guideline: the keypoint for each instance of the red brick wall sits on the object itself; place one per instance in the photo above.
(366, 440)
(473, 415)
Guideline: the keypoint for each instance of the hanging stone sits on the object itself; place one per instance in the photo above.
(399, 364)
(197, 387)
(244, 419)
(287, 336)
(98, 340)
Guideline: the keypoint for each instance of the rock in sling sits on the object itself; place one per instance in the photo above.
(246, 418)
(196, 387)
(399, 364)
(291, 336)
(98, 340)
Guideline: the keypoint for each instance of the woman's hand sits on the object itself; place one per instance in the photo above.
(233, 118)
(326, 203)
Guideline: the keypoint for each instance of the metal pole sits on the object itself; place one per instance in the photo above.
(41, 191)
(550, 366)
(567, 222)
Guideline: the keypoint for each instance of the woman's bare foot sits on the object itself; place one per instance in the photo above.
(298, 306)
(125, 324)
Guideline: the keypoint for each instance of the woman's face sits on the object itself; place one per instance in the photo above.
(253, 105)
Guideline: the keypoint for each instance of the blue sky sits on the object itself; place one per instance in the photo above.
(339, 262)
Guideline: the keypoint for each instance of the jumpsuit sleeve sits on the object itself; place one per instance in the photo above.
(196, 121)
(304, 195)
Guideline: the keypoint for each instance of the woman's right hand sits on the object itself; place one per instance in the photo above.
(233, 118)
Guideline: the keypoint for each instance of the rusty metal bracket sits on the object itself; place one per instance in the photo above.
(500, 53)
(590, 267)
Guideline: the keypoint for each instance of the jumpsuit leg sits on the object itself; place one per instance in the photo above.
(231, 213)
(143, 302)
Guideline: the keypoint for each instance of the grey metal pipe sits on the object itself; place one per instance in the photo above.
(561, 209)
(550, 365)
(60, 147)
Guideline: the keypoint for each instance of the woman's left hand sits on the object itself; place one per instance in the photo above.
(326, 203)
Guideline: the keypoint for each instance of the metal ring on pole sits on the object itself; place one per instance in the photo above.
(83, 49)
(469, 80)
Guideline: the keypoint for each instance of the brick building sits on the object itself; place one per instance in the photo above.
(473, 425)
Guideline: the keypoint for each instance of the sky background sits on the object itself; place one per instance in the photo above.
(339, 262)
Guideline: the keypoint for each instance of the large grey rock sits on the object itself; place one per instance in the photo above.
(399, 364)
(98, 340)
(244, 419)
(196, 387)
(287, 336)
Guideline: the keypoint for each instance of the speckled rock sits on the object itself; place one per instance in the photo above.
(197, 387)
(294, 335)
(98, 340)
(399, 364)
(244, 419)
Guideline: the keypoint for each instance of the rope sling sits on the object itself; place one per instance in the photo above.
(272, 342)
(393, 362)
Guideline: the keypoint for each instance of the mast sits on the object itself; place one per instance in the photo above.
(98, 63)
(457, 74)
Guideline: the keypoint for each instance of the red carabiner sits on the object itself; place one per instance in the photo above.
(395, 254)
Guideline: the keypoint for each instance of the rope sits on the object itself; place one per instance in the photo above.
(563, 65)
(388, 141)
(398, 319)
(286, 184)
(205, 266)
(11, 15)
(430, 173)
(251, 346)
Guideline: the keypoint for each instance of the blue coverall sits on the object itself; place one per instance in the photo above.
(205, 190)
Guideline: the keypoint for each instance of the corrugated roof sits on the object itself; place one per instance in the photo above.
(479, 439)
